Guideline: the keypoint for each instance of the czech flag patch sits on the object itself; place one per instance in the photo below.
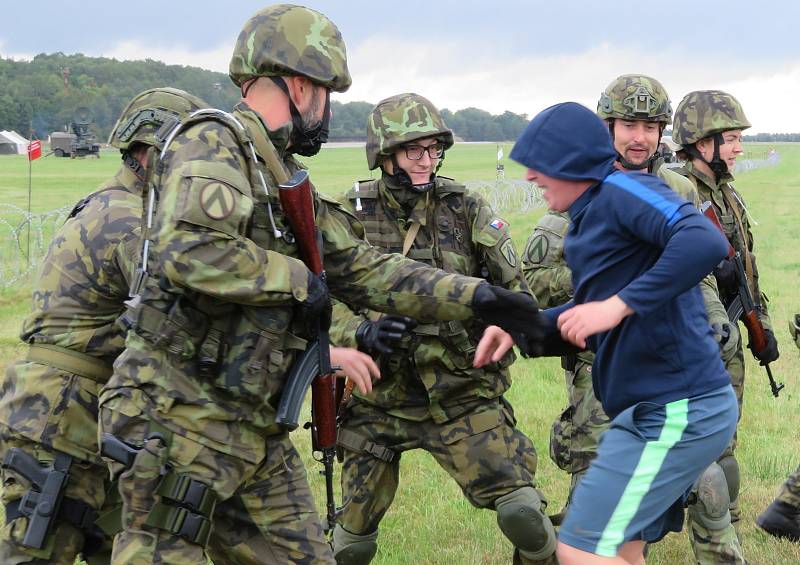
(498, 224)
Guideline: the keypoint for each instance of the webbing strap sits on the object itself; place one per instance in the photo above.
(411, 235)
(748, 262)
(188, 492)
(359, 444)
(181, 522)
(70, 361)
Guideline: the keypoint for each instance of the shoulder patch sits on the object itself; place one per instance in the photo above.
(537, 249)
(217, 200)
(509, 253)
(498, 224)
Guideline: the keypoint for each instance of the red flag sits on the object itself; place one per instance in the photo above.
(34, 150)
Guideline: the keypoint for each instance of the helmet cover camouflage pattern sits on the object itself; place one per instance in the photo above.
(151, 115)
(400, 119)
(703, 113)
(288, 40)
(635, 97)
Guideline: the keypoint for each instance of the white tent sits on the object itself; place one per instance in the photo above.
(12, 143)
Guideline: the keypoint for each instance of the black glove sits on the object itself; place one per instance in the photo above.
(515, 312)
(725, 273)
(383, 336)
(316, 310)
(551, 346)
(770, 352)
(722, 333)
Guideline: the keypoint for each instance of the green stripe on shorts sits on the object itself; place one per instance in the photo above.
(646, 470)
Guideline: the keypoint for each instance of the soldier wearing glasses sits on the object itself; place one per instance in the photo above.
(430, 397)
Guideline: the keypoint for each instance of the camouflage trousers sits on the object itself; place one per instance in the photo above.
(88, 483)
(573, 445)
(790, 490)
(575, 434)
(44, 409)
(265, 514)
(482, 450)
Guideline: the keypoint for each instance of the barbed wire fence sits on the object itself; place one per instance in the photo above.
(21, 248)
(505, 195)
(20, 258)
(757, 160)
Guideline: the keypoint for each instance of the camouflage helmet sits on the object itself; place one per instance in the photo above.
(150, 116)
(288, 40)
(635, 97)
(399, 119)
(703, 113)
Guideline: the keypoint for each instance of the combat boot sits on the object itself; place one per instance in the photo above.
(781, 520)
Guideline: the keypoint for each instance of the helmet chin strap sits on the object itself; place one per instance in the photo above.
(306, 141)
(627, 165)
(716, 164)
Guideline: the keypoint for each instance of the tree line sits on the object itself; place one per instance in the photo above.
(45, 93)
(349, 122)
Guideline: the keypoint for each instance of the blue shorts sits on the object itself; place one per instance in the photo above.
(646, 464)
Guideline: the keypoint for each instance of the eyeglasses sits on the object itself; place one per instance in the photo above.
(415, 152)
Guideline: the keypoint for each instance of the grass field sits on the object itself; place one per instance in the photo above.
(430, 521)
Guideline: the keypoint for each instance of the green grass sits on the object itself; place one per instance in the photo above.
(430, 522)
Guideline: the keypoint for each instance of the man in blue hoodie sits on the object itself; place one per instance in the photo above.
(637, 253)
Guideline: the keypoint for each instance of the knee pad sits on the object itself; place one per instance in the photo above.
(711, 506)
(730, 466)
(520, 518)
(352, 549)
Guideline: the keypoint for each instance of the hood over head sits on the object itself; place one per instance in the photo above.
(567, 141)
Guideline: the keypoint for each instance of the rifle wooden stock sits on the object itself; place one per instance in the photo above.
(745, 303)
(755, 329)
(298, 208)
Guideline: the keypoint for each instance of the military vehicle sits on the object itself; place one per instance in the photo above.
(80, 141)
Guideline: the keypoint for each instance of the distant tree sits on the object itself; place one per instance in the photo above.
(43, 93)
(47, 91)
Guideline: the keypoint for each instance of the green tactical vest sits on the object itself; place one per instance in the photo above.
(445, 242)
(243, 351)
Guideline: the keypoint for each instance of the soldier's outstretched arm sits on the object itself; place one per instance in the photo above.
(204, 208)
(391, 283)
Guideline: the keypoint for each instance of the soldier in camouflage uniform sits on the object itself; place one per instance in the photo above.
(708, 126)
(782, 518)
(430, 397)
(637, 109)
(227, 306)
(48, 404)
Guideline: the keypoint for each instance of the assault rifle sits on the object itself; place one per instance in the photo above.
(314, 366)
(743, 306)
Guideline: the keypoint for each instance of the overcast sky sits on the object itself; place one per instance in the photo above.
(513, 55)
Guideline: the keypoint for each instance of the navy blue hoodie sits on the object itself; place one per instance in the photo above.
(632, 236)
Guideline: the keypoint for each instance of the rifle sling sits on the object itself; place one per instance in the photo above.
(748, 263)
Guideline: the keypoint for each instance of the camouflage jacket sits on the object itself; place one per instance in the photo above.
(432, 375)
(550, 279)
(708, 190)
(77, 299)
(215, 332)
